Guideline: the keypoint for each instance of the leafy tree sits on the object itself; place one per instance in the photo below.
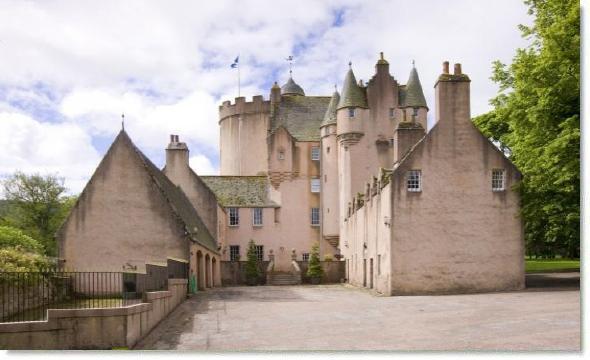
(536, 118)
(37, 205)
(15, 259)
(251, 269)
(11, 238)
(314, 268)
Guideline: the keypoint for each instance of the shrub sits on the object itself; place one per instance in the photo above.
(11, 238)
(251, 269)
(314, 269)
(16, 259)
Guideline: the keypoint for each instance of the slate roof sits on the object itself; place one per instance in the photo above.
(352, 94)
(291, 88)
(240, 191)
(301, 116)
(177, 199)
(330, 116)
(413, 94)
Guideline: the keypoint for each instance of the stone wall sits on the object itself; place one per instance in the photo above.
(104, 328)
(232, 272)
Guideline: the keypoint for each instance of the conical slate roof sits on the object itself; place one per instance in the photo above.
(414, 96)
(330, 117)
(352, 94)
(291, 88)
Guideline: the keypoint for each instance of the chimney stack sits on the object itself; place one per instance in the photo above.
(176, 157)
(452, 96)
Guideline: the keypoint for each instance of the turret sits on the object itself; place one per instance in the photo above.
(413, 101)
(292, 88)
(352, 110)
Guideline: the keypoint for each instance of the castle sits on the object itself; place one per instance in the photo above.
(407, 211)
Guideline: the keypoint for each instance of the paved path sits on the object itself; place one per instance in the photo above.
(337, 317)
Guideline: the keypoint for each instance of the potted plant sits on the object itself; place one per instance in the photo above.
(251, 269)
(314, 269)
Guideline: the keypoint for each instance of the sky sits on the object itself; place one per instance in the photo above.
(69, 69)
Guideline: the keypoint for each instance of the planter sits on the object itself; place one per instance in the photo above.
(315, 280)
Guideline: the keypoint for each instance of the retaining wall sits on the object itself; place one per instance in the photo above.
(102, 328)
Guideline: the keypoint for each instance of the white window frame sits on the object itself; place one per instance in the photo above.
(414, 180)
(315, 216)
(351, 112)
(259, 251)
(498, 180)
(314, 185)
(315, 153)
(305, 257)
(257, 217)
(281, 155)
(234, 252)
(236, 216)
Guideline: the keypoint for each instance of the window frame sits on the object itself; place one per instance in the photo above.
(495, 180)
(312, 217)
(233, 256)
(259, 251)
(236, 216)
(281, 155)
(315, 184)
(315, 153)
(414, 184)
(305, 257)
(254, 217)
(351, 112)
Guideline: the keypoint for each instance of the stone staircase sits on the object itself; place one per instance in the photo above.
(283, 278)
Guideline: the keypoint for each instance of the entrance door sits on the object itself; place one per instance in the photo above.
(371, 273)
(364, 272)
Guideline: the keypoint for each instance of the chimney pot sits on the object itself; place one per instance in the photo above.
(171, 138)
(445, 67)
(176, 138)
(457, 69)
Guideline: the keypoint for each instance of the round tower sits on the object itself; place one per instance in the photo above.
(329, 178)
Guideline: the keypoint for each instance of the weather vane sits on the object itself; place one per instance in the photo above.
(123, 121)
(413, 63)
(290, 60)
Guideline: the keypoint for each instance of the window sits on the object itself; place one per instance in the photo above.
(315, 185)
(325, 178)
(281, 155)
(378, 264)
(415, 111)
(234, 217)
(415, 180)
(234, 253)
(498, 180)
(259, 250)
(315, 153)
(391, 112)
(315, 216)
(351, 112)
(257, 216)
(277, 215)
(328, 150)
(305, 256)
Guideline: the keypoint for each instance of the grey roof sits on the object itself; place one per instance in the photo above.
(178, 201)
(240, 191)
(301, 116)
(291, 88)
(352, 94)
(413, 95)
(330, 116)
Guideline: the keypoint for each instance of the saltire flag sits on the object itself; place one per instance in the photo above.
(235, 64)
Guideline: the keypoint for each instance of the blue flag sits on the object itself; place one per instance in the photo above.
(235, 64)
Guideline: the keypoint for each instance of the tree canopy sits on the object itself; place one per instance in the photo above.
(536, 118)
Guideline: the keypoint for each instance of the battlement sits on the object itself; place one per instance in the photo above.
(242, 107)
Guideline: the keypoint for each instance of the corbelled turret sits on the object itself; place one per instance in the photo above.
(330, 117)
(352, 94)
(291, 88)
(414, 96)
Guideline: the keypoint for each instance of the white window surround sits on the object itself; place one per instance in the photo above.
(498, 180)
(257, 217)
(315, 185)
(234, 252)
(233, 216)
(414, 180)
(259, 250)
(315, 153)
(315, 216)
(281, 155)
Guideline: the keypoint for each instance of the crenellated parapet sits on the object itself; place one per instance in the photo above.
(242, 107)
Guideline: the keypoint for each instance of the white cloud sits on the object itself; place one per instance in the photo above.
(202, 165)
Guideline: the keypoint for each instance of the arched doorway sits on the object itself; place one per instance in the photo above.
(207, 271)
(214, 271)
(200, 271)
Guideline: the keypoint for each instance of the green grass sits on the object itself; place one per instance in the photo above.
(552, 265)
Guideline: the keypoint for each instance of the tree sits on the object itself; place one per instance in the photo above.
(251, 270)
(19, 252)
(536, 118)
(11, 238)
(37, 205)
(314, 268)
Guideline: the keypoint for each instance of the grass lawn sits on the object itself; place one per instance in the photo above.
(551, 265)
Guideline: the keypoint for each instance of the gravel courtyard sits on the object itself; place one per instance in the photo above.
(339, 317)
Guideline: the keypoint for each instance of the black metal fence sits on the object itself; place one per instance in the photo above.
(26, 296)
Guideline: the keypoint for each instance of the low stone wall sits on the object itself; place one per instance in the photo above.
(103, 328)
(232, 272)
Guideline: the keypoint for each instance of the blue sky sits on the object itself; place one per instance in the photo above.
(71, 68)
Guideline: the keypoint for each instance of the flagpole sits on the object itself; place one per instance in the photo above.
(238, 79)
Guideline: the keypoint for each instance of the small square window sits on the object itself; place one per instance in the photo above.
(351, 112)
(259, 250)
(415, 111)
(315, 216)
(257, 216)
(281, 155)
(414, 180)
(498, 180)
(315, 185)
(234, 217)
(234, 252)
(305, 257)
(315, 153)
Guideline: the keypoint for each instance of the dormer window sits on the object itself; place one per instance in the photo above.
(351, 112)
